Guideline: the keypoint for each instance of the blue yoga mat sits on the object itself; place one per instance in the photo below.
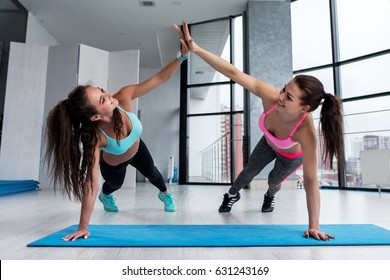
(216, 236)
(8, 187)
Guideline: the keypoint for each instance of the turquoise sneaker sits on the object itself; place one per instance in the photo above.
(169, 204)
(108, 202)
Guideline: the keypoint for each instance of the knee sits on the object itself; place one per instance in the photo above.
(152, 174)
(252, 169)
(273, 183)
(275, 187)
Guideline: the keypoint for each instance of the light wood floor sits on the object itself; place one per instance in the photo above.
(30, 216)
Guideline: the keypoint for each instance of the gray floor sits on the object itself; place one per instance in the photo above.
(30, 216)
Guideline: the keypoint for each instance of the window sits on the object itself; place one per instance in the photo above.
(365, 77)
(311, 38)
(363, 27)
(349, 51)
(214, 118)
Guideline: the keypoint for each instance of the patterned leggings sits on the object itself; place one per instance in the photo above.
(261, 156)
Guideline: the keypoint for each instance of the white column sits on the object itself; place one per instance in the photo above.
(23, 112)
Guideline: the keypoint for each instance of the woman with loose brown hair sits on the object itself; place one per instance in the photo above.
(289, 134)
(93, 128)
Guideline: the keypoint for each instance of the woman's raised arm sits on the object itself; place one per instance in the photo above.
(264, 90)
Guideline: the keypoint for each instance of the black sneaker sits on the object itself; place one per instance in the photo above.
(268, 204)
(228, 202)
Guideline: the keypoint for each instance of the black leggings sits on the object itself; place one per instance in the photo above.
(114, 176)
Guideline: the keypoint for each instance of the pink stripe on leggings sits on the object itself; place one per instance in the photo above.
(295, 155)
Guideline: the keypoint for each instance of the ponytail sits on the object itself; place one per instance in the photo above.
(63, 152)
(331, 127)
(71, 141)
(331, 119)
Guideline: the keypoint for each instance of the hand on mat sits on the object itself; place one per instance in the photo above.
(317, 234)
(185, 38)
(75, 235)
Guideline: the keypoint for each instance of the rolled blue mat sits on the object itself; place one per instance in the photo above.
(17, 186)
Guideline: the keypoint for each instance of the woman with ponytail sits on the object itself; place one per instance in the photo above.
(289, 134)
(93, 128)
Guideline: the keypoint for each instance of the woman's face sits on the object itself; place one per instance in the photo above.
(290, 99)
(101, 100)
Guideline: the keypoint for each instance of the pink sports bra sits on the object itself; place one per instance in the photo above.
(285, 143)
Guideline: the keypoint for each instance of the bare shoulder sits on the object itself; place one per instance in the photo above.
(270, 97)
(126, 93)
(269, 102)
(268, 93)
(125, 103)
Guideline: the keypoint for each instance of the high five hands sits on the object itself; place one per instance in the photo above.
(185, 38)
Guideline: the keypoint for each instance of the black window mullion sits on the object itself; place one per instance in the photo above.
(232, 106)
(336, 75)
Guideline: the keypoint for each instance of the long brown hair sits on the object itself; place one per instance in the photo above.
(331, 119)
(71, 141)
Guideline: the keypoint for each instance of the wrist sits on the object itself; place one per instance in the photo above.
(180, 57)
(83, 229)
(314, 228)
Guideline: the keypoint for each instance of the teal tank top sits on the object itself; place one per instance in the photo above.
(124, 144)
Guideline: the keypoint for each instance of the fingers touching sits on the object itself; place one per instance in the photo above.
(185, 37)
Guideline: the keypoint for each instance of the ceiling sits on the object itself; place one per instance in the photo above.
(114, 25)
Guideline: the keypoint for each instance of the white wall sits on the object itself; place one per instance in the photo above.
(160, 111)
(61, 78)
(93, 66)
(123, 69)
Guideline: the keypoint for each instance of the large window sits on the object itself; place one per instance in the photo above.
(213, 106)
(311, 37)
(365, 77)
(363, 27)
(346, 44)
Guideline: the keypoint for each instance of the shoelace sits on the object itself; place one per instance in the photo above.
(111, 200)
(170, 199)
